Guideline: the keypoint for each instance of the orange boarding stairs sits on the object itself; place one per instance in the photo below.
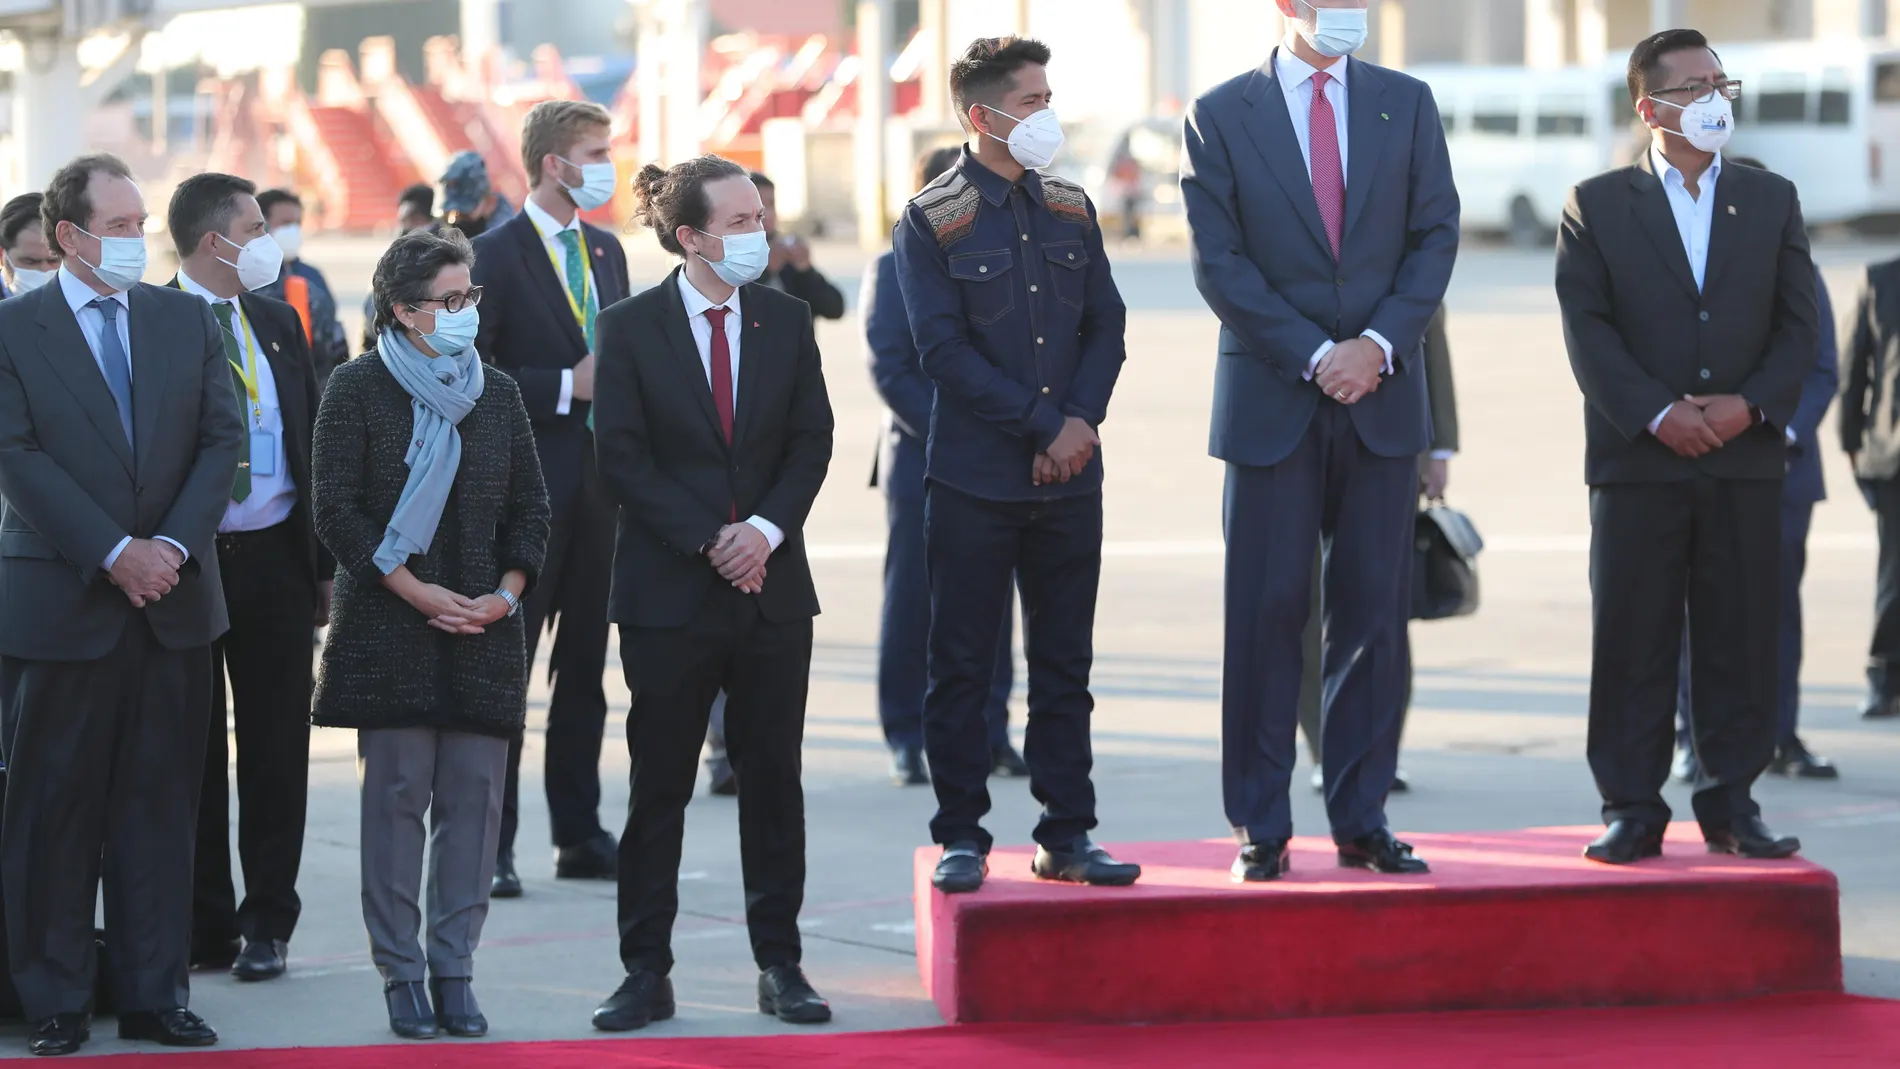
(350, 166)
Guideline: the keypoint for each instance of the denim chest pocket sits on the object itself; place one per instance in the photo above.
(986, 282)
(1066, 262)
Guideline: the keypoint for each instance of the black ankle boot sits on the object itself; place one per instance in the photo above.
(410, 1015)
(455, 1010)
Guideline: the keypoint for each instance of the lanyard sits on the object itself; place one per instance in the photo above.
(247, 370)
(587, 279)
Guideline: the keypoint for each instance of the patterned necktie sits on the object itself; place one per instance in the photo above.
(1329, 174)
(241, 482)
(117, 366)
(722, 378)
(577, 288)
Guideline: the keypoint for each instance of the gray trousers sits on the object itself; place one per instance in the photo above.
(455, 778)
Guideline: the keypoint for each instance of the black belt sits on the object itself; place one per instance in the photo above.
(250, 541)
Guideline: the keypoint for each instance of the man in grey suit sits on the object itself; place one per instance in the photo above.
(119, 437)
(1325, 224)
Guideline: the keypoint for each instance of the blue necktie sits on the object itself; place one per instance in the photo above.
(118, 368)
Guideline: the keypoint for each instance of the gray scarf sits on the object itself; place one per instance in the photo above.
(445, 390)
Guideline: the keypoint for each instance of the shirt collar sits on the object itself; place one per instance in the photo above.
(79, 295)
(545, 223)
(697, 303)
(1294, 71)
(994, 187)
(1666, 170)
(190, 285)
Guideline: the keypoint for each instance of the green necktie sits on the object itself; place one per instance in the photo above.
(240, 483)
(577, 288)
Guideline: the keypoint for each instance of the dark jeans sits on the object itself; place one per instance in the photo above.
(1054, 549)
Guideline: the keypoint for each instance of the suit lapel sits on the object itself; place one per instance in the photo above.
(1271, 129)
(64, 348)
(1366, 131)
(1653, 216)
(291, 402)
(607, 283)
(679, 337)
(755, 358)
(541, 273)
(151, 366)
(1731, 205)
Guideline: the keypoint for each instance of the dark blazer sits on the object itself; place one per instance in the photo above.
(812, 287)
(1806, 485)
(73, 488)
(664, 461)
(1641, 337)
(280, 334)
(1440, 388)
(907, 392)
(528, 330)
(1263, 263)
(383, 665)
(1870, 379)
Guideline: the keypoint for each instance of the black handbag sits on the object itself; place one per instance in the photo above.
(1445, 551)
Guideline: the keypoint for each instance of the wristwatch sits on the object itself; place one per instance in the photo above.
(514, 603)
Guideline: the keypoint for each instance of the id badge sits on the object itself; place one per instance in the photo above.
(263, 453)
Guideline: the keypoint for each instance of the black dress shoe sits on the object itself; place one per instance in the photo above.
(1400, 784)
(725, 784)
(1380, 852)
(59, 1034)
(455, 1009)
(908, 768)
(262, 959)
(643, 997)
(215, 954)
(1006, 762)
(596, 859)
(1262, 862)
(961, 869)
(1083, 862)
(1625, 842)
(1749, 837)
(410, 1015)
(167, 1028)
(506, 883)
(1795, 762)
(786, 994)
(1881, 709)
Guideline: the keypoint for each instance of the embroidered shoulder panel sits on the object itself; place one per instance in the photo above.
(949, 204)
(1067, 200)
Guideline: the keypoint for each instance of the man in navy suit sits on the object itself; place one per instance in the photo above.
(547, 275)
(1325, 224)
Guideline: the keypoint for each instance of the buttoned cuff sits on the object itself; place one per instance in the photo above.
(1660, 416)
(1444, 454)
(565, 403)
(1312, 366)
(770, 530)
(1379, 340)
(174, 544)
(112, 558)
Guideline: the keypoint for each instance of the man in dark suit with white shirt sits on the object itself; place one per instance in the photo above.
(1687, 295)
(119, 438)
(1325, 223)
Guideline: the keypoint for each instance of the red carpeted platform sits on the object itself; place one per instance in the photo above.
(1799, 1031)
(1507, 920)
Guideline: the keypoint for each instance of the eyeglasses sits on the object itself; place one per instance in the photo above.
(455, 302)
(1705, 92)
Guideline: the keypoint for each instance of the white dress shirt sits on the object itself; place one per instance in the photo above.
(697, 305)
(92, 324)
(272, 496)
(1695, 218)
(550, 232)
(1296, 81)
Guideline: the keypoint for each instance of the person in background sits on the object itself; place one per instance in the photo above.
(550, 274)
(469, 201)
(429, 494)
(1434, 474)
(29, 261)
(790, 270)
(1870, 435)
(415, 210)
(277, 585)
(1125, 181)
(113, 601)
(904, 632)
(1017, 321)
(1803, 488)
(715, 436)
(302, 286)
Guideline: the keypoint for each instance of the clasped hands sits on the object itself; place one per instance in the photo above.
(1068, 455)
(738, 553)
(147, 570)
(1350, 371)
(1697, 426)
(455, 614)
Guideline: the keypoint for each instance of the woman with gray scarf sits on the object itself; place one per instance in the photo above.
(429, 493)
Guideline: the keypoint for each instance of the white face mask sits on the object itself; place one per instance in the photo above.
(121, 260)
(597, 184)
(747, 256)
(289, 238)
(26, 278)
(258, 261)
(1035, 140)
(1705, 124)
(1334, 31)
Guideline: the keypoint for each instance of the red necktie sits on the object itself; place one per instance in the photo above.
(1329, 175)
(722, 378)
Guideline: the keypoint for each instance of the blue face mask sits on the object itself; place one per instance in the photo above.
(454, 331)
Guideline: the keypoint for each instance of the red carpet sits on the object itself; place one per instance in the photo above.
(1509, 920)
(1795, 1031)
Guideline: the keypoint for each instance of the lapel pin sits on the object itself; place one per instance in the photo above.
(598, 251)
(274, 348)
(755, 322)
(1384, 116)
(1731, 209)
